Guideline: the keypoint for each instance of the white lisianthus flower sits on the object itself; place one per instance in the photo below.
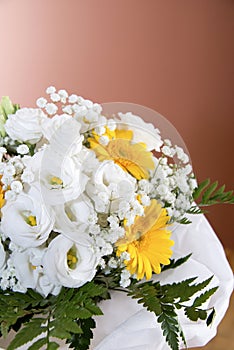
(29, 272)
(27, 220)
(68, 263)
(89, 161)
(51, 125)
(142, 131)
(61, 177)
(72, 218)
(63, 134)
(25, 125)
(2, 256)
(109, 186)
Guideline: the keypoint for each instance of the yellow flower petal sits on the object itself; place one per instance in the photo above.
(132, 158)
(148, 242)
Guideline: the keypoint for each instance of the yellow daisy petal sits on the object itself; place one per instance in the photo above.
(148, 242)
(131, 157)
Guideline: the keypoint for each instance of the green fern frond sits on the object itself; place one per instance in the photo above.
(208, 193)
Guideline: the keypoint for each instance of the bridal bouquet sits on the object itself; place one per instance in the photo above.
(87, 206)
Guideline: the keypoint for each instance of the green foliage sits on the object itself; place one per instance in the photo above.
(175, 263)
(30, 331)
(195, 210)
(6, 108)
(67, 316)
(210, 317)
(78, 341)
(164, 300)
(208, 193)
(184, 221)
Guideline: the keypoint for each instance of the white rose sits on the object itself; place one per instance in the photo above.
(25, 125)
(72, 218)
(29, 272)
(68, 263)
(27, 220)
(2, 256)
(110, 185)
(60, 177)
(142, 131)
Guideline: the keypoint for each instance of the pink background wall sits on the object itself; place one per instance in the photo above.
(173, 56)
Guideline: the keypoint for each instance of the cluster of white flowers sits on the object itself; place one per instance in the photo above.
(65, 208)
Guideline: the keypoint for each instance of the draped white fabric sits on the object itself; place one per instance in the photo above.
(126, 325)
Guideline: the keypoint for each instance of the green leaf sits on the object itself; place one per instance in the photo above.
(183, 290)
(182, 336)
(60, 332)
(146, 293)
(37, 345)
(21, 320)
(93, 289)
(149, 294)
(7, 106)
(65, 314)
(93, 308)
(202, 314)
(79, 341)
(209, 191)
(52, 346)
(219, 192)
(83, 313)
(197, 192)
(34, 295)
(210, 318)
(170, 328)
(164, 300)
(204, 297)
(192, 313)
(71, 326)
(195, 210)
(30, 331)
(211, 195)
(184, 221)
(176, 263)
(4, 329)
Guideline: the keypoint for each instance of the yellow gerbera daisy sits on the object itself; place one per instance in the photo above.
(2, 200)
(131, 157)
(148, 242)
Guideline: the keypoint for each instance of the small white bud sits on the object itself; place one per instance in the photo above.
(41, 102)
(73, 98)
(55, 97)
(50, 90)
(16, 186)
(22, 149)
(51, 108)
